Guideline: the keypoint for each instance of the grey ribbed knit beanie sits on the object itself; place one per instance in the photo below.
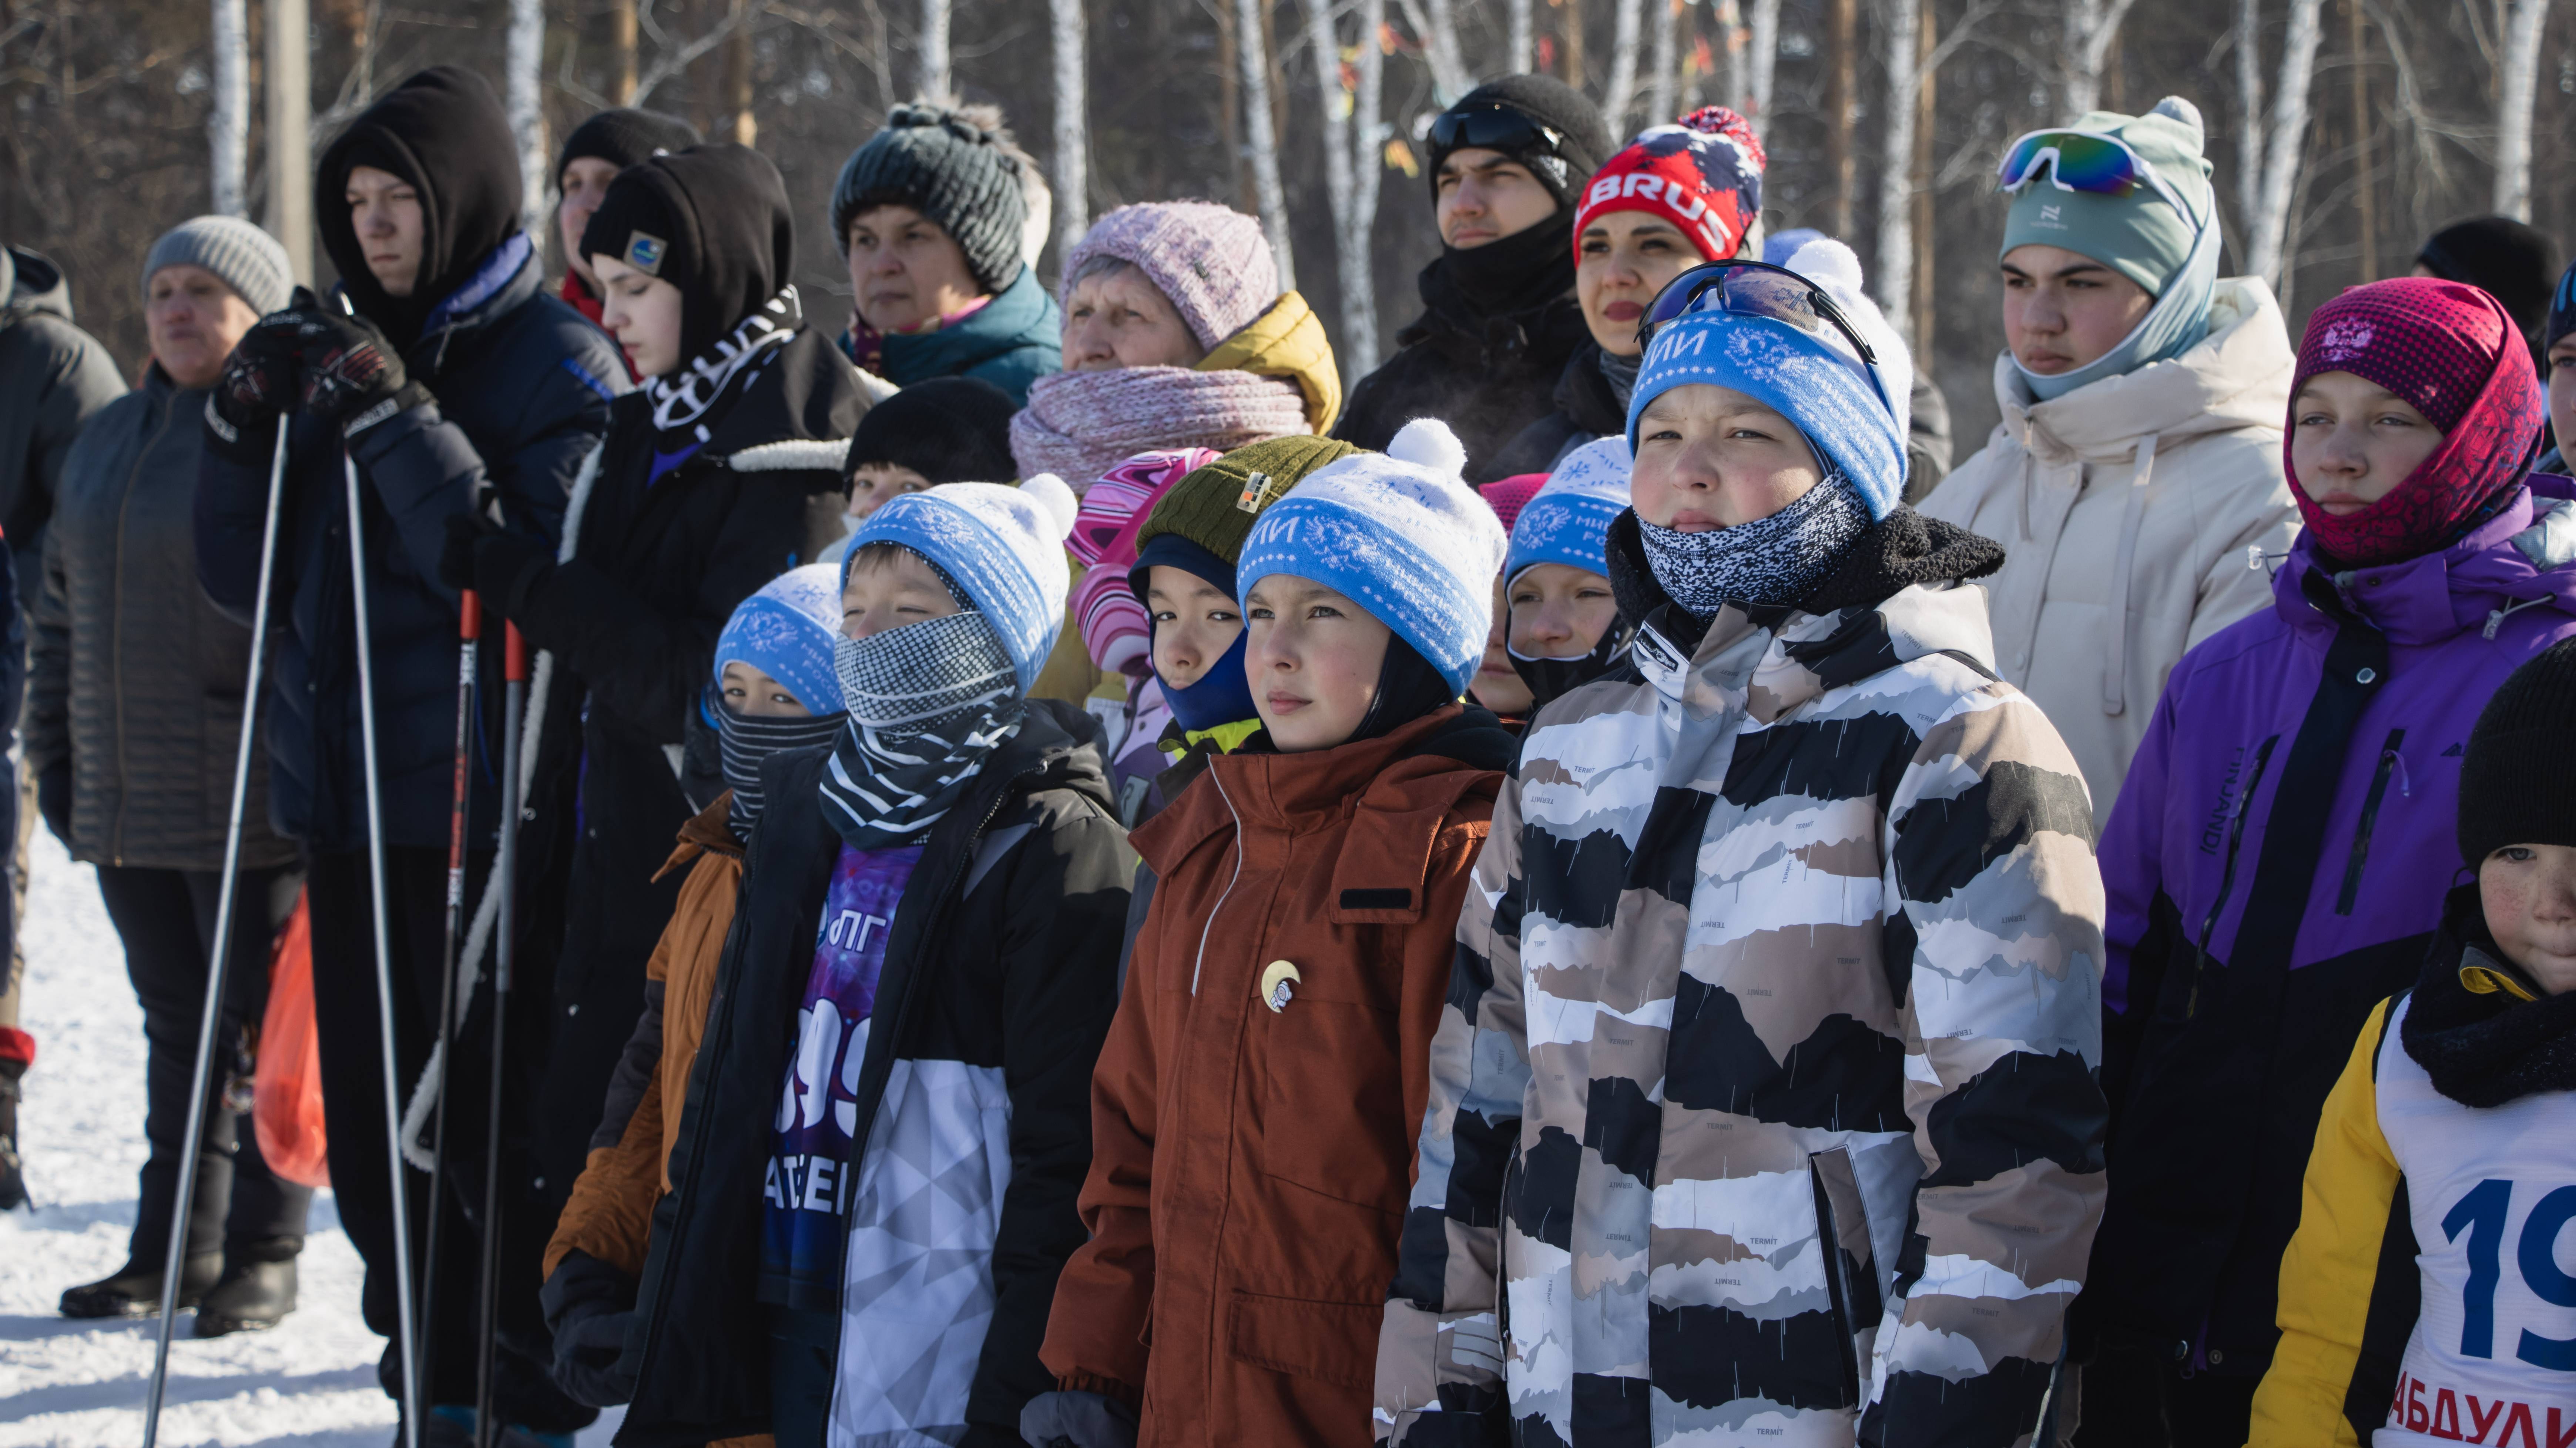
(248, 259)
(942, 164)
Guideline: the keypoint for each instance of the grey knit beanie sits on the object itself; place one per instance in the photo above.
(248, 259)
(940, 163)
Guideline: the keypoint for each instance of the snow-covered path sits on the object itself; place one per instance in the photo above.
(311, 1383)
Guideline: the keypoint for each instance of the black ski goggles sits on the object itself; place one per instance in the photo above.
(1772, 293)
(1492, 126)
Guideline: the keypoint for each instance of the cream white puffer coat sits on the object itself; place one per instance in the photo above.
(2149, 498)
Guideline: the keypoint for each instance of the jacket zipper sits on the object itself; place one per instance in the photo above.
(2227, 873)
(1200, 961)
(2389, 762)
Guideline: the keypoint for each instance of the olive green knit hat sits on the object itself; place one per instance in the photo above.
(1215, 506)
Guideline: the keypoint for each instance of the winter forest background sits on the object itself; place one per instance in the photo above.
(2343, 130)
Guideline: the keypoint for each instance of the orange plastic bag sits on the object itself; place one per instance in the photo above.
(286, 1088)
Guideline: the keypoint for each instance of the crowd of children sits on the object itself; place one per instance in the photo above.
(1078, 891)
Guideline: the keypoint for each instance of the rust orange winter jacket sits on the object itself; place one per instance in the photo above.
(1252, 1148)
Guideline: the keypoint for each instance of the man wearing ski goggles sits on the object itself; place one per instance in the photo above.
(2086, 161)
(1747, 288)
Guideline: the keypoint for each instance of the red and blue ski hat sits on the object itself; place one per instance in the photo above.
(1703, 173)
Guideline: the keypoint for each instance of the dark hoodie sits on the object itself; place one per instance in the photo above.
(53, 376)
(520, 386)
(664, 552)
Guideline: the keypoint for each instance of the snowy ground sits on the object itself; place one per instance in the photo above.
(311, 1383)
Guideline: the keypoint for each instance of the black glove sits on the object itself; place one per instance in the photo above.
(588, 1305)
(261, 379)
(456, 559)
(54, 801)
(504, 565)
(1077, 1420)
(348, 367)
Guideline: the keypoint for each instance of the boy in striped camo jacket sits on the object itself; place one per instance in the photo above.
(1765, 1106)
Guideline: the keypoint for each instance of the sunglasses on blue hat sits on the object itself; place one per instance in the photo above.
(2086, 161)
(1758, 289)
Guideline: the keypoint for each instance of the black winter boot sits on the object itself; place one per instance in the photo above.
(252, 1297)
(135, 1289)
(13, 1177)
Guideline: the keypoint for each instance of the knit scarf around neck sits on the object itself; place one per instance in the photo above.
(744, 742)
(1080, 424)
(683, 400)
(928, 702)
(2490, 1049)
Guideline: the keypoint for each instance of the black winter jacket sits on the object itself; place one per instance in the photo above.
(1486, 378)
(632, 620)
(1002, 967)
(135, 680)
(522, 384)
(1586, 408)
(53, 377)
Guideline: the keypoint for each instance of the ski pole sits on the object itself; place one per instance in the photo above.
(407, 1342)
(210, 1020)
(469, 634)
(514, 673)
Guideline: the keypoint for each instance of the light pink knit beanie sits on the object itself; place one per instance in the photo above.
(1211, 261)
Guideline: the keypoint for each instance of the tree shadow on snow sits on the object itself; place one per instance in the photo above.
(128, 1392)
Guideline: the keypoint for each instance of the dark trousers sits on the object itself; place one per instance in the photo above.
(2136, 1399)
(344, 1003)
(167, 921)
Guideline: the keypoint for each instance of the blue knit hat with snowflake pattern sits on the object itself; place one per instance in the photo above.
(1400, 534)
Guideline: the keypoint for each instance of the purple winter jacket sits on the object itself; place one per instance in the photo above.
(2275, 867)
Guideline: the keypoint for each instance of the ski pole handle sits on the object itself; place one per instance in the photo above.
(514, 655)
(469, 616)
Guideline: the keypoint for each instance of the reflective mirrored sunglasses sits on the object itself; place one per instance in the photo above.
(2086, 161)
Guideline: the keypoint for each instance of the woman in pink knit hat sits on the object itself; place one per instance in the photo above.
(1176, 335)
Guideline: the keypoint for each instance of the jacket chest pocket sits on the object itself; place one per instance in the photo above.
(1326, 1057)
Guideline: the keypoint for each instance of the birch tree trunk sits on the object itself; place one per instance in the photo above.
(2287, 142)
(1842, 41)
(2091, 26)
(228, 129)
(1352, 134)
(740, 126)
(2518, 74)
(1072, 127)
(2249, 111)
(1254, 58)
(523, 58)
(287, 75)
(1622, 94)
(1901, 24)
(1739, 57)
(1436, 21)
(1765, 55)
(1660, 106)
(932, 47)
(1516, 19)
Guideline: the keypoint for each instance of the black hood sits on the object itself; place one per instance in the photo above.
(443, 131)
(712, 220)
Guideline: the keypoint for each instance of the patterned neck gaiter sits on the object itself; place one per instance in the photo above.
(1769, 562)
(927, 703)
(744, 743)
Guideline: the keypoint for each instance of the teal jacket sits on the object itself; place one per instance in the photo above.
(1013, 341)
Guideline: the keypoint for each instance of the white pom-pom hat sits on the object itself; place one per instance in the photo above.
(1003, 546)
(1400, 534)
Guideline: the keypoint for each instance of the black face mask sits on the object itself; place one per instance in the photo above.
(1552, 679)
